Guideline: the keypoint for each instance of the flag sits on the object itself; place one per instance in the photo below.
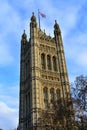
(43, 15)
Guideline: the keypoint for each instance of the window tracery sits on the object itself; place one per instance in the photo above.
(58, 94)
(45, 94)
(54, 64)
(51, 94)
(49, 62)
(43, 61)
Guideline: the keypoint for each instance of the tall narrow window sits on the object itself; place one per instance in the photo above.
(42, 61)
(28, 67)
(29, 103)
(45, 94)
(54, 64)
(26, 70)
(58, 94)
(49, 62)
(52, 94)
(51, 98)
(26, 104)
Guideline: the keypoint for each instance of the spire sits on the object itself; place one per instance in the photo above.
(33, 22)
(33, 18)
(24, 36)
(56, 28)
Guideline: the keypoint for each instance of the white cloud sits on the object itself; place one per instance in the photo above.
(76, 48)
(72, 78)
(9, 104)
(82, 58)
(8, 117)
(10, 100)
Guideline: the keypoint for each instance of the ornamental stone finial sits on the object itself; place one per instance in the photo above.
(55, 21)
(24, 31)
(24, 36)
(32, 13)
(57, 28)
(33, 18)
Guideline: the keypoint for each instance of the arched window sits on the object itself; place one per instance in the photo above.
(51, 94)
(26, 70)
(54, 64)
(45, 94)
(58, 94)
(49, 62)
(51, 98)
(42, 61)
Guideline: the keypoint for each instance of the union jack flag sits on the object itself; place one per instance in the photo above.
(43, 15)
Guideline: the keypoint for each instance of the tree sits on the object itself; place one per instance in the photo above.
(59, 115)
(79, 96)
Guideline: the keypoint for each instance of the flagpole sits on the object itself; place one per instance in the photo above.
(39, 18)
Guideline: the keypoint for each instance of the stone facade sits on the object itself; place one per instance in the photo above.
(43, 73)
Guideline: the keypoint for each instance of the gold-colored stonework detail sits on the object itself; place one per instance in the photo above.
(47, 49)
(42, 72)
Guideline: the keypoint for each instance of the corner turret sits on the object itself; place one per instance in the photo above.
(33, 21)
(33, 28)
(33, 18)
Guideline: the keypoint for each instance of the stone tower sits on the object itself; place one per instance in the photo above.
(43, 74)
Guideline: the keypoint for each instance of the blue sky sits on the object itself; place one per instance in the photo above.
(14, 18)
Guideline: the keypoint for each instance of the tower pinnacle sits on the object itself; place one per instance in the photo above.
(56, 28)
(33, 18)
(24, 36)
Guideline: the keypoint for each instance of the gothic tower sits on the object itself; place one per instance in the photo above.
(43, 74)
